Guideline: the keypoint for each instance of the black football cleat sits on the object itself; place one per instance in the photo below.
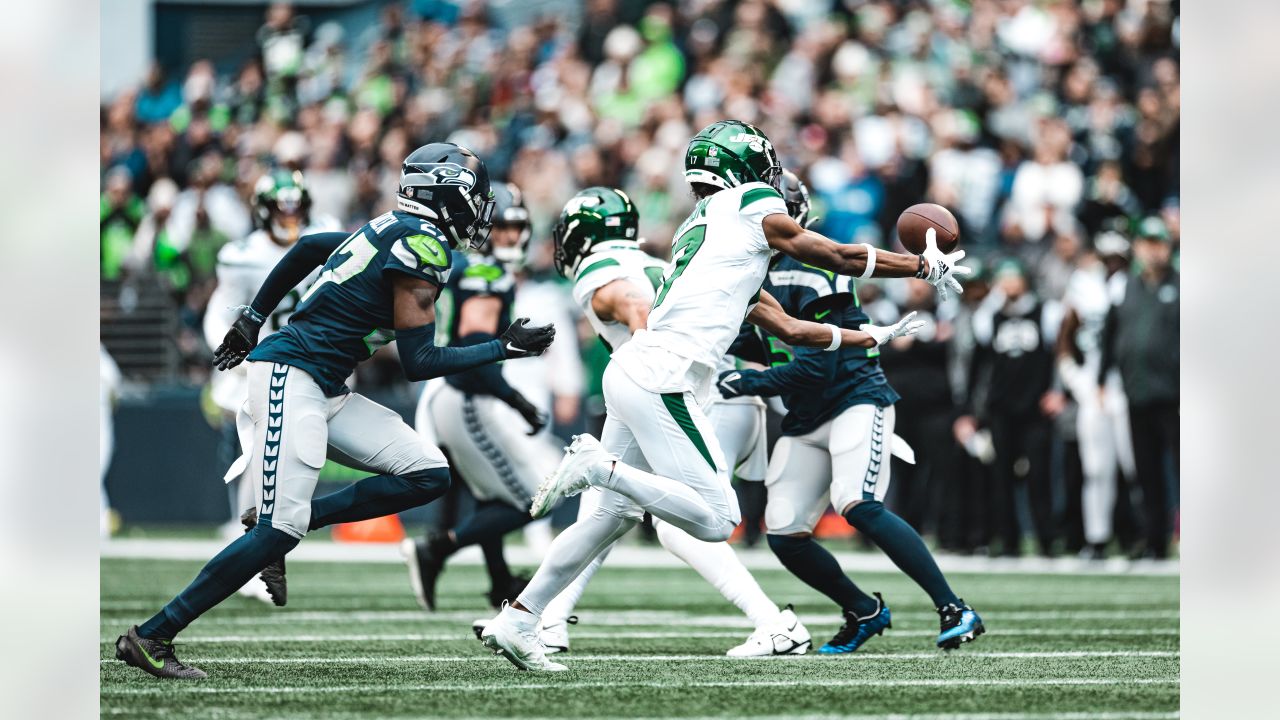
(425, 566)
(517, 585)
(154, 656)
(272, 575)
(959, 624)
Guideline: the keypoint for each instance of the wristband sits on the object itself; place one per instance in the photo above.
(835, 337)
(920, 272)
(253, 315)
(871, 261)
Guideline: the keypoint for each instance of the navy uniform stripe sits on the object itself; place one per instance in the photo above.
(877, 452)
(492, 452)
(271, 449)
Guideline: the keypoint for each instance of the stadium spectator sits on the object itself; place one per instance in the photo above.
(1141, 339)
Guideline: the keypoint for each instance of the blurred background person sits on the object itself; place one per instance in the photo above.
(1140, 338)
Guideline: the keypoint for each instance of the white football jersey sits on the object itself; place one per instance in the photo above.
(719, 261)
(1091, 294)
(242, 268)
(615, 261)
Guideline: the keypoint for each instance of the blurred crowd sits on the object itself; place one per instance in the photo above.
(1049, 127)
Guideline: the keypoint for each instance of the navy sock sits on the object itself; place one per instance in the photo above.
(817, 567)
(496, 563)
(227, 572)
(489, 521)
(904, 547)
(379, 495)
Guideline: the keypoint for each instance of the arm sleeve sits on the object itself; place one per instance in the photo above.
(422, 359)
(811, 368)
(306, 254)
(484, 379)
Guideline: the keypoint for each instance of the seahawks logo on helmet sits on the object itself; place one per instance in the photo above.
(451, 174)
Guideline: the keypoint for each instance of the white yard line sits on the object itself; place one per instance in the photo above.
(348, 660)
(465, 634)
(639, 618)
(635, 556)
(170, 689)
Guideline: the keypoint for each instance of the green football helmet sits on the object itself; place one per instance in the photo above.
(282, 205)
(592, 218)
(730, 153)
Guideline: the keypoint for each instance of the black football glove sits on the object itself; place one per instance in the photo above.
(531, 415)
(521, 340)
(728, 384)
(239, 340)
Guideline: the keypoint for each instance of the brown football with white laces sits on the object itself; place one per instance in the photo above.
(916, 220)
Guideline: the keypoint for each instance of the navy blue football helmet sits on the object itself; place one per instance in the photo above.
(448, 185)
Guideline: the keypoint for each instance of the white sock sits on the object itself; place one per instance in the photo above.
(521, 619)
(669, 500)
(569, 555)
(561, 607)
(719, 565)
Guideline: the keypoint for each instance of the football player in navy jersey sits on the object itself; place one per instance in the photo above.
(378, 284)
(836, 437)
(489, 428)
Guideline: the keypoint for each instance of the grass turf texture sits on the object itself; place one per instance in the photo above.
(352, 643)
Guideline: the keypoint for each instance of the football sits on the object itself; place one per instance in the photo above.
(917, 219)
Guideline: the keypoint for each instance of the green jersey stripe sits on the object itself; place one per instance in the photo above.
(607, 262)
(754, 194)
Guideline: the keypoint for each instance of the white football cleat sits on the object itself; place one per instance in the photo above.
(518, 642)
(257, 590)
(585, 461)
(786, 636)
(555, 635)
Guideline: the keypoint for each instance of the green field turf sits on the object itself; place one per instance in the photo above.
(352, 643)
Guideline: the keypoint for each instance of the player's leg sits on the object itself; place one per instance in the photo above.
(377, 439)
(288, 411)
(860, 479)
(1099, 462)
(798, 480)
(513, 633)
(558, 614)
(501, 469)
(689, 486)
(738, 426)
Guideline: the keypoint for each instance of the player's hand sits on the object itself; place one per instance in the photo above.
(531, 415)
(729, 384)
(521, 340)
(239, 340)
(944, 268)
(903, 328)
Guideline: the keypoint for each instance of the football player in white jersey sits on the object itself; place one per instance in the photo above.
(1103, 417)
(614, 284)
(656, 382)
(282, 213)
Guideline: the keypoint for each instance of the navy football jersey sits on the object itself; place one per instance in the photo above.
(347, 314)
(473, 275)
(833, 381)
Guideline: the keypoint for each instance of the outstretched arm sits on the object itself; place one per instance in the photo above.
(305, 255)
(769, 315)
(414, 311)
(785, 235)
(621, 301)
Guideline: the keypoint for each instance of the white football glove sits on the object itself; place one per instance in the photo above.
(904, 327)
(943, 267)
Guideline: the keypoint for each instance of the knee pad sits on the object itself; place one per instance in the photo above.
(864, 513)
(429, 484)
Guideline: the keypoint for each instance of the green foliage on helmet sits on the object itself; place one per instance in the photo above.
(730, 153)
(593, 217)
